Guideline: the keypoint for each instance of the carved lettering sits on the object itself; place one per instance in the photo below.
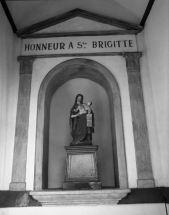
(88, 44)
(70, 45)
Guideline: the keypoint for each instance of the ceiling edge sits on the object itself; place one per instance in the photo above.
(147, 12)
(9, 16)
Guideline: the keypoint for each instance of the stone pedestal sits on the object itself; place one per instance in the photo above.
(81, 168)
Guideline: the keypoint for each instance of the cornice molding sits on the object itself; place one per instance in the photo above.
(26, 63)
(80, 33)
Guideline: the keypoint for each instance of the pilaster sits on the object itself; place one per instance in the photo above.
(143, 159)
(22, 123)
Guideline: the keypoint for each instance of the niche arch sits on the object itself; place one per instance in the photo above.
(70, 69)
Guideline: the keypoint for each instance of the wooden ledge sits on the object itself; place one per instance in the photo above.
(80, 197)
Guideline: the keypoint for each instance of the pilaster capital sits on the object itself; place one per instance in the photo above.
(132, 61)
(26, 63)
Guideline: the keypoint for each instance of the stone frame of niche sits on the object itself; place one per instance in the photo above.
(65, 71)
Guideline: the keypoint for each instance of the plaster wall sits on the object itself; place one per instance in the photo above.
(116, 65)
(154, 44)
(131, 209)
(10, 48)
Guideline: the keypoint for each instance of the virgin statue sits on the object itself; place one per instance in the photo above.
(81, 122)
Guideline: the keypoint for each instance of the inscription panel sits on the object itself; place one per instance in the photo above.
(81, 44)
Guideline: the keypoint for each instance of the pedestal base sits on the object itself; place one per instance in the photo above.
(82, 185)
(80, 197)
(81, 168)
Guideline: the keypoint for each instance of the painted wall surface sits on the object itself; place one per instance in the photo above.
(154, 43)
(116, 65)
(136, 209)
(62, 102)
(10, 48)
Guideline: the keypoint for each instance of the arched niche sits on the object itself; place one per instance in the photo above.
(78, 68)
(59, 130)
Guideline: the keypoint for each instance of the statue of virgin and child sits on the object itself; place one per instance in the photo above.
(81, 122)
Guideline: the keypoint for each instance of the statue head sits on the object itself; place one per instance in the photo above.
(79, 98)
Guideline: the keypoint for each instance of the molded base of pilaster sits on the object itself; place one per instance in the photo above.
(17, 186)
(145, 183)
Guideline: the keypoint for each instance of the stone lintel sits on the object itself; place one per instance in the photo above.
(17, 186)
